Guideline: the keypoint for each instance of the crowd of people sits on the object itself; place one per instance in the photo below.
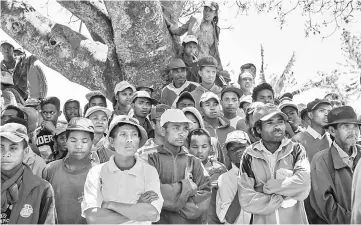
(205, 152)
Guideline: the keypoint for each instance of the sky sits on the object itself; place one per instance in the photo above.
(237, 46)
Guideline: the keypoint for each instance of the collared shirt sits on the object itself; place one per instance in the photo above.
(315, 134)
(347, 159)
(106, 182)
(227, 189)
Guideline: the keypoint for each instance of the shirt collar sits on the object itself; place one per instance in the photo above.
(234, 169)
(135, 170)
(314, 133)
(284, 142)
(343, 154)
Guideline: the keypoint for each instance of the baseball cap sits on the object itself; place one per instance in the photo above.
(245, 99)
(237, 136)
(94, 93)
(143, 94)
(230, 88)
(208, 61)
(32, 102)
(185, 95)
(157, 111)
(80, 124)
(303, 113)
(225, 74)
(145, 84)
(14, 132)
(6, 78)
(98, 108)
(130, 121)
(7, 42)
(287, 102)
(60, 128)
(266, 112)
(190, 38)
(122, 85)
(173, 116)
(208, 95)
(250, 109)
(175, 64)
(312, 105)
(211, 4)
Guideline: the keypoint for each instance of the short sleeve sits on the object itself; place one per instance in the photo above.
(93, 197)
(153, 184)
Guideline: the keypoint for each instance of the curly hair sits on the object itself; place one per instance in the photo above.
(261, 87)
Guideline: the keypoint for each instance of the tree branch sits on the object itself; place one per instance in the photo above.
(58, 47)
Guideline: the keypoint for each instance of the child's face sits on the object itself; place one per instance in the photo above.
(97, 101)
(50, 112)
(208, 74)
(142, 107)
(72, 110)
(195, 124)
(79, 144)
(61, 142)
(126, 140)
(185, 102)
(211, 108)
(12, 154)
(176, 133)
(123, 97)
(235, 151)
(100, 121)
(199, 146)
(190, 48)
(230, 102)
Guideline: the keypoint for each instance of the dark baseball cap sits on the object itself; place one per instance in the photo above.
(313, 105)
(231, 88)
(158, 111)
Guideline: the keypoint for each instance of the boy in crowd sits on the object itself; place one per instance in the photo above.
(147, 86)
(246, 78)
(11, 111)
(230, 104)
(179, 84)
(50, 111)
(290, 109)
(227, 201)
(72, 109)
(123, 92)
(25, 197)
(67, 176)
(200, 146)
(208, 70)
(263, 93)
(190, 57)
(60, 149)
(185, 100)
(218, 127)
(332, 169)
(96, 98)
(141, 104)
(152, 143)
(124, 189)
(184, 184)
(275, 172)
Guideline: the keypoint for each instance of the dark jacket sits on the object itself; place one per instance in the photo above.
(36, 204)
(331, 181)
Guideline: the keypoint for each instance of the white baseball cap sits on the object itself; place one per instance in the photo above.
(173, 116)
(190, 38)
(121, 86)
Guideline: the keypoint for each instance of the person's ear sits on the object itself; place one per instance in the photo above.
(258, 130)
(111, 141)
(331, 130)
(26, 151)
(310, 115)
(162, 131)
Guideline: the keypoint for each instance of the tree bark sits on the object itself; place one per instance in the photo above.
(143, 43)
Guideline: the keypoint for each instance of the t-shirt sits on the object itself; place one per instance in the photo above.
(5, 216)
(233, 122)
(45, 142)
(69, 190)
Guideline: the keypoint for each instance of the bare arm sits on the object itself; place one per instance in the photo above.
(137, 212)
(103, 216)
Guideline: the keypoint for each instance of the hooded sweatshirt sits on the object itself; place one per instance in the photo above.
(66, 103)
(200, 90)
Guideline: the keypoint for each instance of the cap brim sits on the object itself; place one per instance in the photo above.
(57, 133)
(282, 106)
(233, 89)
(80, 129)
(210, 99)
(107, 112)
(351, 121)
(128, 86)
(322, 102)
(138, 88)
(12, 137)
(173, 68)
(272, 114)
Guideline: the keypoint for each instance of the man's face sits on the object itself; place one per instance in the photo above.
(175, 133)
(346, 133)
(185, 102)
(126, 140)
(195, 123)
(273, 130)
(142, 107)
(50, 112)
(12, 154)
(230, 102)
(123, 97)
(210, 108)
(319, 115)
(208, 74)
(100, 121)
(7, 114)
(190, 48)
(72, 110)
(97, 101)
(200, 147)
(235, 151)
(179, 76)
(246, 83)
(7, 50)
(79, 144)
(61, 142)
(265, 96)
(292, 115)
